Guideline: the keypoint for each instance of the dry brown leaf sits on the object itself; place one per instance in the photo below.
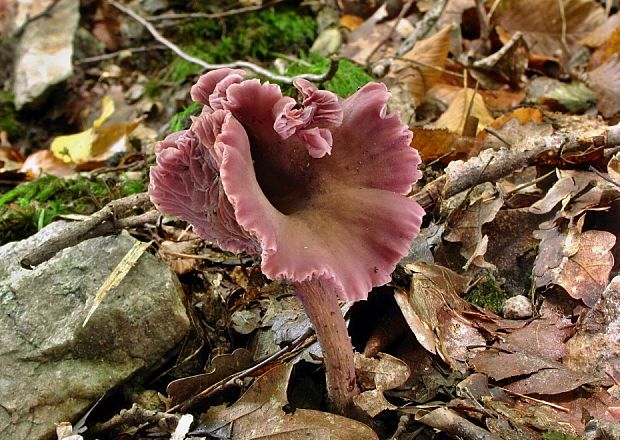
(431, 54)
(579, 262)
(454, 117)
(601, 34)
(465, 224)
(264, 401)
(605, 82)
(607, 50)
(383, 372)
(541, 23)
(432, 143)
(595, 345)
(221, 366)
(433, 311)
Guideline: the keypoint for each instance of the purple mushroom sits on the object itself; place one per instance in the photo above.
(317, 190)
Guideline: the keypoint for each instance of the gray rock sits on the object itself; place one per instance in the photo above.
(518, 307)
(44, 50)
(53, 368)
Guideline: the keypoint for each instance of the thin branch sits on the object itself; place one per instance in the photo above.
(103, 222)
(303, 341)
(111, 55)
(423, 27)
(237, 64)
(465, 175)
(401, 14)
(222, 14)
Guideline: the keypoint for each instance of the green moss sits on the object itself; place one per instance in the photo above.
(488, 294)
(8, 121)
(253, 35)
(32, 205)
(345, 82)
(181, 120)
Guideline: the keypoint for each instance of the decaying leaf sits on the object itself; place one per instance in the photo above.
(263, 402)
(44, 162)
(465, 223)
(221, 366)
(432, 143)
(580, 262)
(434, 309)
(544, 376)
(595, 346)
(541, 23)
(375, 376)
(461, 106)
(605, 81)
(613, 168)
(576, 192)
(602, 33)
(420, 68)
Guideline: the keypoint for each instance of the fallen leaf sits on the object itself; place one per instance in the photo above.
(465, 223)
(574, 97)
(383, 372)
(259, 414)
(613, 168)
(544, 376)
(461, 106)
(97, 142)
(433, 310)
(610, 47)
(351, 22)
(579, 262)
(221, 367)
(44, 162)
(541, 23)
(595, 347)
(605, 82)
(601, 34)
(420, 68)
(432, 143)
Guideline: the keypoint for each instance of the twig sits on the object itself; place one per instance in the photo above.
(542, 402)
(423, 27)
(461, 176)
(111, 55)
(303, 341)
(430, 66)
(103, 222)
(603, 176)
(485, 26)
(401, 14)
(214, 15)
(136, 415)
(237, 64)
(563, 34)
(516, 189)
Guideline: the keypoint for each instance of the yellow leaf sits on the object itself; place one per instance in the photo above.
(97, 142)
(454, 117)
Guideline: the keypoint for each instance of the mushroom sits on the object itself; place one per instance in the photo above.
(317, 190)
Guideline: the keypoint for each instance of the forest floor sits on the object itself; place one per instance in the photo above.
(502, 322)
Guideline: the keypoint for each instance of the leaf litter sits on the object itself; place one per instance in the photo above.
(513, 106)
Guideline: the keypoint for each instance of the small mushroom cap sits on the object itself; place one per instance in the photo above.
(340, 217)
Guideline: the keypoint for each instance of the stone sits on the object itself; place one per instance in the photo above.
(518, 307)
(53, 367)
(44, 49)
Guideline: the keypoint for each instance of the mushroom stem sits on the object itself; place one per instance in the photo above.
(322, 308)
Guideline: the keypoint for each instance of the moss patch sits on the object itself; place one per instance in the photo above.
(255, 35)
(348, 78)
(32, 205)
(488, 294)
(181, 120)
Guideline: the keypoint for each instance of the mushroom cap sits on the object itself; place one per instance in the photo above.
(317, 191)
